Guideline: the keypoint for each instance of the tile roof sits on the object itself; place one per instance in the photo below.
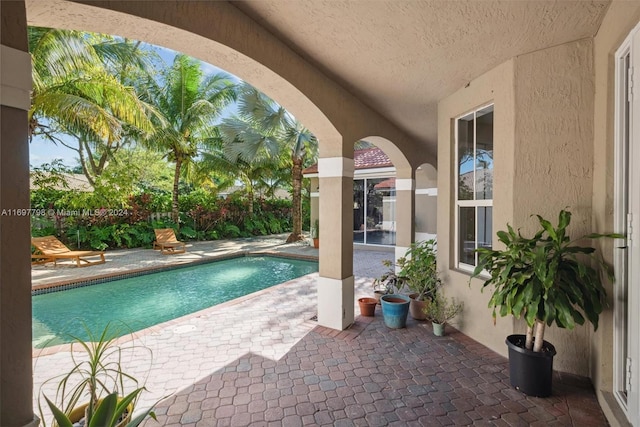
(387, 183)
(368, 158)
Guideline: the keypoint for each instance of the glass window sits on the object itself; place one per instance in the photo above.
(474, 192)
(374, 209)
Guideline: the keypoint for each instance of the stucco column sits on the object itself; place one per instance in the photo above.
(335, 284)
(405, 209)
(315, 201)
(16, 382)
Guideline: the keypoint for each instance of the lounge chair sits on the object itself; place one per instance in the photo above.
(52, 249)
(167, 242)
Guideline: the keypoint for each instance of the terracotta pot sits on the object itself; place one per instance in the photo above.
(416, 308)
(368, 306)
(378, 294)
(316, 242)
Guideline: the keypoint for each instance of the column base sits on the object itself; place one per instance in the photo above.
(336, 301)
(401, 251)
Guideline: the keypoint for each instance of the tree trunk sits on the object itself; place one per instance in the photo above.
(296, 172)
(537, 343)
(174, 201)
(528, 343)
(250, 199)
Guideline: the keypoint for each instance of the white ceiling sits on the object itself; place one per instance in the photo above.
(402, 56)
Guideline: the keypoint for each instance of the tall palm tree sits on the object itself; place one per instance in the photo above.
(190, 104)
(77, 92)
(265, 129)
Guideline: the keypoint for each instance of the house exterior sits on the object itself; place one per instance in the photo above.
(553, 124)
(374, 200)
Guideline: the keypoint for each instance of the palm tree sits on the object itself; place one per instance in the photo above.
(264, 129)
(255, 175)
(77, 92)
(189, 104)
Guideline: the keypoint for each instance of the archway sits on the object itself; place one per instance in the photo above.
(215, 32)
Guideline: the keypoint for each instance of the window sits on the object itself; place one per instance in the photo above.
(474, 186)
(374, 209)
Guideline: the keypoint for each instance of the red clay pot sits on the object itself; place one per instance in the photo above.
(367, 306)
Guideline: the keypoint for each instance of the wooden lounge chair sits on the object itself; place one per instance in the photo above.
(52, 249)
(167, 242)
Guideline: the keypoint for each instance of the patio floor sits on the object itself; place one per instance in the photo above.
(260, 360)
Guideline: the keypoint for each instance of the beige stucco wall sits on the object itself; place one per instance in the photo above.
(554, 159)
(543, 162)
(494, 86)
(426, 204)
(621, 18)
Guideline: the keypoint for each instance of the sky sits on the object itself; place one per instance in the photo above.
(44, 151)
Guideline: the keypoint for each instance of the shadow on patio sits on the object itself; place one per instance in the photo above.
(374, 376)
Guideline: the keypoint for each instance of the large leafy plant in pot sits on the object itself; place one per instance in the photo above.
(545, 279)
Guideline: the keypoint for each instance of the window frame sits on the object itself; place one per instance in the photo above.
(475, 203)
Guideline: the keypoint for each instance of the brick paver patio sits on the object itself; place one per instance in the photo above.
(380, 377)
(261, 361)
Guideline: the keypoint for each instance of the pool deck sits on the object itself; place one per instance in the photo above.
(261, 361)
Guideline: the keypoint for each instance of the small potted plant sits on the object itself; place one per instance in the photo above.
(97, 376)
(544, 279)
(439, 310)
(315, 233)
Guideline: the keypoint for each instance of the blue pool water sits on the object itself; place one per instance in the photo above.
(143, 301)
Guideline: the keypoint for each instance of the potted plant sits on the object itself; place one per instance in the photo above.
(417, 272)
(96, 391)
(395, 309)
(544, 279)
(439, 310)
(390, 282)
(419, 269)
(315, 233)
(367, 306)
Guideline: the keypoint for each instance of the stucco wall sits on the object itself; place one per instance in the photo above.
(621, 18)
(494, 86)
(543, 133)
(426, 200)
(553, 159)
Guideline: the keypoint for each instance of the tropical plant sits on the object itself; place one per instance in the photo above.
(545, 279)
(79, 90)
(189, 104)
(418, 266)
(391, 282)
(315, 230)
(441, 310)
(262, 132)
(96, 387)
(416, 270)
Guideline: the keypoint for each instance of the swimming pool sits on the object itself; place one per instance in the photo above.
(147, 300)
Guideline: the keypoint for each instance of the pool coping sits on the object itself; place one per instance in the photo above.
(46, 351)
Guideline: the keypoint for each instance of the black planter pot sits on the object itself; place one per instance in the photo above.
(530, 372)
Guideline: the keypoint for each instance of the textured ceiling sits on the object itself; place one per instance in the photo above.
(401, 57)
